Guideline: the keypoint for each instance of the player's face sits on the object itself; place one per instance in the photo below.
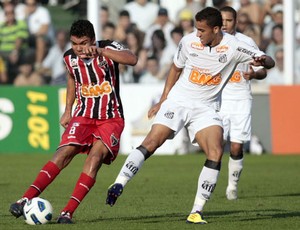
(78, 44)
(229, 23)
(206, 33)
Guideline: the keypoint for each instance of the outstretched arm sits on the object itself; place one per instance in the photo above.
(70, 98)
(258, 74)
(264, 60)
(125, 57)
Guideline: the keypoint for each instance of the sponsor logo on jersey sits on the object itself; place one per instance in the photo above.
(179, 50)
(194, 55)
(243, 50)
(74, 63)
(197, 45)
(96, 90)
(221, 49)
(117, 45)
(169, 115)
(114, 141)
(223, 58)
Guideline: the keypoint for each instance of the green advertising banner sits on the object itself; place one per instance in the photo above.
(29, 119)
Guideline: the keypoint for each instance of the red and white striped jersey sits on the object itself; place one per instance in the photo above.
(97, 84)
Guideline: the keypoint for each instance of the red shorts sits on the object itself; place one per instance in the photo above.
(85, 131)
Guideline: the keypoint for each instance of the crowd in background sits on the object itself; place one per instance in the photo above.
(31, 48)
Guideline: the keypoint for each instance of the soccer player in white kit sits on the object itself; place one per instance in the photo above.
(236, 105)
(203, 64)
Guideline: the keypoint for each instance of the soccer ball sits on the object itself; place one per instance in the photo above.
(37, 211)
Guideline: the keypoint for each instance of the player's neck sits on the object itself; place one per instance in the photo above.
(216, 41)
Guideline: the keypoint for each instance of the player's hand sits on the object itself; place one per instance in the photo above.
(153, 110)
(65, 119)
(250, 74)
(259, 61)
(90, 52)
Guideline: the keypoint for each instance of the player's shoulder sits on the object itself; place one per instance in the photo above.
(110, 44)
(69, 52)
(245, 38)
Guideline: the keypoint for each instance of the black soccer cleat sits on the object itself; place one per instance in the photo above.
(65, 218)
(16, 209)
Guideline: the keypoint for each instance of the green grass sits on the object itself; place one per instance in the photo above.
(162, 194)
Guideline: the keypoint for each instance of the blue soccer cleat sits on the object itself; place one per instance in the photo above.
(114, 191)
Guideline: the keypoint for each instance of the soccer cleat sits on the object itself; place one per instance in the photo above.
(65, 218)
(16, 209)
(196, 218)
(231, 194)
(114, 191)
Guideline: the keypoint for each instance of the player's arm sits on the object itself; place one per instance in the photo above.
(125, 57)
(172, 78)
(258, 73)
(264, 60)
(122, 56)
(70, 98)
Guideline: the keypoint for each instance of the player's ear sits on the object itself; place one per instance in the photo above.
(216, 29)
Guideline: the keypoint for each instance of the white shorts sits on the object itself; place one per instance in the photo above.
(236, 117)
(176, 116)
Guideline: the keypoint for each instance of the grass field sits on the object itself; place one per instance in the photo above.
(162, 194)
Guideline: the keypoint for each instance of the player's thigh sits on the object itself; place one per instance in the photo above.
(210, 140)
(157, 136)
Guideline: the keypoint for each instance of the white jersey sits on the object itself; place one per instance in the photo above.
(238, 88)
(206, 70)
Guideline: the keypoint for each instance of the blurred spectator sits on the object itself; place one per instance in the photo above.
(172, 8)
(40, 29)
(163, 23)
(275, 75)
(245, 26)
(254, 10)
(19, 9)
(151, 73)
(269, 7)
(53, 69)
(104, 15)
(276, 40)
(160, 52)
(142, 13)
(193, 6)
(123, 24)
(108, 31)
(13, 41)
(27, 76)
(134, 42)
(186, 21)
(3, 72)
(220, 3)
(277, 19)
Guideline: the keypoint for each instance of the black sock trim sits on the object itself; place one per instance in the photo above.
(144, 151)
(213, 165)
(238, 157)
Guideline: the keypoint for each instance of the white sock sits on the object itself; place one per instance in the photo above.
(235, 168)
(133, 163)
(206, 184)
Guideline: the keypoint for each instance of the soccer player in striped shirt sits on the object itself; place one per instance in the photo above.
(97, 121)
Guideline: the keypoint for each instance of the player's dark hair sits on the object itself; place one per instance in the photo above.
(81, 28)
(230, 10)
(212, 16)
